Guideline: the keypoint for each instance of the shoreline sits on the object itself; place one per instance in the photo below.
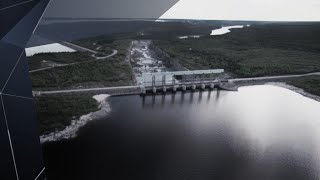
(295, 89)
(71, 131)
(279, 83)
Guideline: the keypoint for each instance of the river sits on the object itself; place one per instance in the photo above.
(144, 61)
(259, 132)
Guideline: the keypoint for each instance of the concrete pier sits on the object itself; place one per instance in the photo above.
(143, 91)
(174, 88)
(184, 87)
(154, 90)
(164, 89)
(193, 87)
(211, 86)
(228, 86)
(203, 86)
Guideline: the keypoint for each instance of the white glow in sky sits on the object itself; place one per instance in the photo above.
(263, 10)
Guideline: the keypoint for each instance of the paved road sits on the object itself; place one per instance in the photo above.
(275, 77)
(134, 87)
(85, 90)
(115, 52)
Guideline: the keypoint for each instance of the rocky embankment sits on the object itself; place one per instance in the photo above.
(71, 131)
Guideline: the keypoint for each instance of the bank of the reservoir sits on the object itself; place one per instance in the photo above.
(261, 131)
(70, 131)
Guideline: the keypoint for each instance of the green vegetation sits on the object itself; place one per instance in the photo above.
(109, 72)
(310, 84)
(259, 50)
(55, 112)
(113, 71)
(105, 44)
(45, 59)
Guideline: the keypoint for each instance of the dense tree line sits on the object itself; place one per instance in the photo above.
(258, 50)
(309, 84)
(107, 72)
(55, 112)
(38, 61)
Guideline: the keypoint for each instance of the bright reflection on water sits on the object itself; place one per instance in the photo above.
(259, 132)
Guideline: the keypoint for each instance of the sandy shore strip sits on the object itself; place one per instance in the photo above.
(71, 131)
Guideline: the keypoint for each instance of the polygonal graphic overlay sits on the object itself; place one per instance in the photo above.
(19, 74)
(7, 169)
(20, 38)
(11, 15)
(249, 10)
(10, 54)
(6, 4)
(129, 9)
(24, 133)
(21, 156)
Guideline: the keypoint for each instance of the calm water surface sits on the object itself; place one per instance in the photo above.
(260, 132)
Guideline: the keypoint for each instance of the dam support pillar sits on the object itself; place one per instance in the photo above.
(164, 89)
(174, 88)
(153, 81)
(184, 88)
(211, 86)
(193, 87)
(164, 80)
(154, 89)
(203, 86)
(143, 90)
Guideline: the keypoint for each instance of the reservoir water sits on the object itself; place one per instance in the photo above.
(259, 132)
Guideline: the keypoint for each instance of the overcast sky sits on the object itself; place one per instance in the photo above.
(268, 10)
(108, 8)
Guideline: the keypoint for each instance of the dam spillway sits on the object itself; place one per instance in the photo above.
(182, 81)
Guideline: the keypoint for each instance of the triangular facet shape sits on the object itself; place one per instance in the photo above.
(7, 168)
(19, 83)
(22, 31)
(9, 56)
(6, 4)
(9, 17)
(24, 131)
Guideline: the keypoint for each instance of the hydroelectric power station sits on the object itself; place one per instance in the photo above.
(181, 80)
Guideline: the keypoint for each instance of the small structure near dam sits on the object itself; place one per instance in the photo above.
(182, 80)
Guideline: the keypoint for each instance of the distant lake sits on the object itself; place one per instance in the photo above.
(225, 30)
(259, 132)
